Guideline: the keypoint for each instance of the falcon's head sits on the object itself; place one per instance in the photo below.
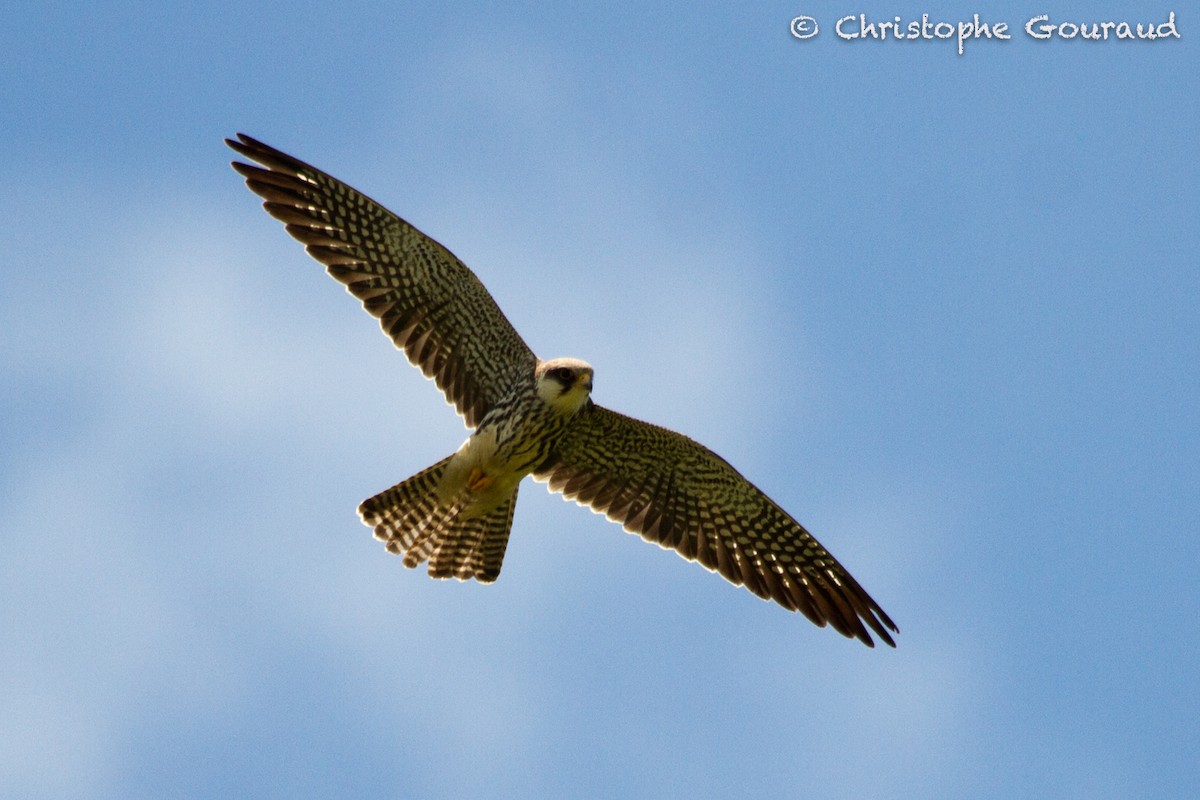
(564, 383)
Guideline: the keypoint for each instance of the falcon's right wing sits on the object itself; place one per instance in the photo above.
(427, 301)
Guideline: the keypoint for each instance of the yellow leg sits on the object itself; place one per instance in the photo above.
(478, 480)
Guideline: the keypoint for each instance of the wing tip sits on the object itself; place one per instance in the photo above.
(244, 145)
(879, 622)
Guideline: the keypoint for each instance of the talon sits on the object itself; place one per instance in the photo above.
(478, 480)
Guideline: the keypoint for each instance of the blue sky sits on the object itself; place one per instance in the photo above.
(942, 308)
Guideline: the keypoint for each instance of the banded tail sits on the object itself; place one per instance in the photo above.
(412, 519)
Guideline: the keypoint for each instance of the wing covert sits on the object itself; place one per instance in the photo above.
(427, 301)
(679, 494)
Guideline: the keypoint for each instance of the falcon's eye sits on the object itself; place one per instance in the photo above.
(563, 375)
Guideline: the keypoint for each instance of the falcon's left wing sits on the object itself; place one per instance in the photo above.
(679, 494)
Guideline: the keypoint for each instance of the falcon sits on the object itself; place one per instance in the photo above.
(534, 417)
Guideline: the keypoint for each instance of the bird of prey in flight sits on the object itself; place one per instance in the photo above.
(535, 417)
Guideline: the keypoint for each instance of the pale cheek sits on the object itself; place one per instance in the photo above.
(547, 393)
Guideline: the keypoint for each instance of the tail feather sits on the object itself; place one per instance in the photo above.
(411, 519)
(397, 513)
(421, 539)
(475, 547)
